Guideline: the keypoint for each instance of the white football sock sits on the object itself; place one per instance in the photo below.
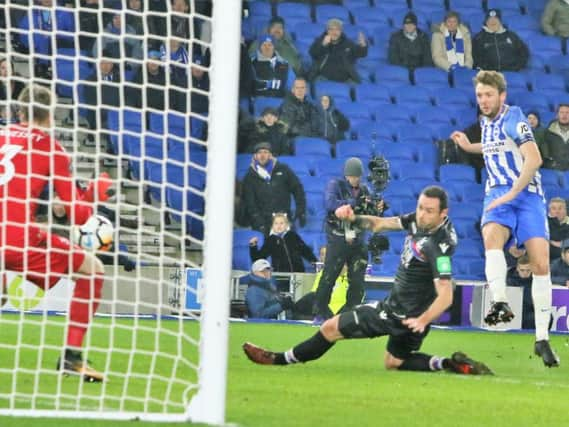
(541, 295)
(496, 270)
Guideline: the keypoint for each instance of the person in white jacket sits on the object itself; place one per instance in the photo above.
(451, 44)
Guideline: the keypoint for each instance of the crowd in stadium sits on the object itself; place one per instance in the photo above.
(324, 81)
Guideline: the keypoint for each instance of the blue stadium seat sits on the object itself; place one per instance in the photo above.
(301, 166)
(156, 123)
(315, 203)
(368, 15)
(426, 153)
(469, 248)
(457, 173)
(259, 8)
(429, 114)
(324, 12)
(458, 4)
(287, 10)
(313, 183)
(132, 121)
(471, 193)
(177, 125)
(262, 102)
(547, 83)
(465, 228)
(307, 32)
(354, 110)
(388, 267)
(396, 242)
(366, 92)
(390, 74)
(413, 170)
(431, 77)
(550, 178)
(394, 114)
(504, 5)
(412, 95)
(376, 131)
(65, 70)
(398, 151)
(470, 211)
(242, 236)
(398, 189)
(406, 133)
(329, 168)
(546, 45)
(395, 10)
(333, 89)
(558, 64)
(516, 80)
(241, 259)
(524, 23)
(316, 147)
(348, 148)
(462, 78)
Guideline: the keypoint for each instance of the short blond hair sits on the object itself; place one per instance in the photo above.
(491, 78)
(40, 99)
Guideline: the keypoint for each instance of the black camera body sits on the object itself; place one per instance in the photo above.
(378, 178)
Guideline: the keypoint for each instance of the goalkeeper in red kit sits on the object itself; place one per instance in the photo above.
(30, 160)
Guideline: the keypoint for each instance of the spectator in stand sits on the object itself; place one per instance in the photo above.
(262, 297)
(152, 80)
(451, 44)
(558, 226)
(335, 55)
(285, 247)
(200, 81)
(410, 47)
(560, 266)
(88, 23)
(299, 113)
(556, 139)
(10, 88)
(534, 121)
(134, 16)
(555, 18)
(45, 17)
(178, 57)
(334, 123)
(270, 129)
(102, 89)
(267, 188)
(520, 276)
(284, 45)
(246, 74)
(497, 48)
(273, 74)
(180, 19)
(115, 31)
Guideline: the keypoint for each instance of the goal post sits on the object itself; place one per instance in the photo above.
(163, 358)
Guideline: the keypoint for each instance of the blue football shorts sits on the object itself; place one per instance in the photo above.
(525, 216)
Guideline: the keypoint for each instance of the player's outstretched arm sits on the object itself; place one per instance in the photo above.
(368, 222)
(460, 139)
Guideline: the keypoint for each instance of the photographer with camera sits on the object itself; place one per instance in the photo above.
(346, 244)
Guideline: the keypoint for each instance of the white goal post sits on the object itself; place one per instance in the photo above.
(163, 360)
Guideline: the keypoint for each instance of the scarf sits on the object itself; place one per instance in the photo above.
(411, 36)
(266, 171)
(455, 49)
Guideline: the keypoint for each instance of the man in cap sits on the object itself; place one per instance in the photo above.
(410, 46)
(273, 74)
(262, 298)
(270, 129)
(283, 43)
(268, 187)
(335, 55)
(497, 48)
(345, 241)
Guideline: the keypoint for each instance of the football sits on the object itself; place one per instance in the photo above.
(95, 235)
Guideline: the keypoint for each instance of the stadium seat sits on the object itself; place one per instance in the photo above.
(177, 125)
(394, 114)
(398, 189)
(398, 151)
(471, 193)
(259, 8)
(550, 178)
(367, 15)
(429, 114)
(516, 80)
(316, 147)
(406, 133)
(262, 102)
(412, 95)
(334, 89)
(395, 10)
(301, 166)
(396, 242)
(462, 78)
(324, 12)
(524, 23)
(329, 168)
(470, 211)
(388, 267)
(547, 83)
(314, 183)
(366, 92)
(354, 110)
(376, 131)
(504, 5)
(391, 74)
(241, 259)
(546, 45)
(156, 123)
(355, 148)
(431, 77)
(65, 70)
(457, 173)
(465, 228)
(242, 236)
(315, 203)
(426, 153)
(287, 10)
(469, 248)
(558, 64)
(412, 170)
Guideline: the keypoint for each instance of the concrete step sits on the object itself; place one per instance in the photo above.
(154, 250)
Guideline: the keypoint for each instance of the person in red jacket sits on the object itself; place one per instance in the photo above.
(30, 160)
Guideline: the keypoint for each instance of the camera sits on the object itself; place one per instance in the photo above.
(378, 178)
(377, 244)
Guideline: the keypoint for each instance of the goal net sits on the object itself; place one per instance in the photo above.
(145, 91)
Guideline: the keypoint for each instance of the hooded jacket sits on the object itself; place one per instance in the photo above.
(557, 146)
(262, 197)
(286, 252)
(276, 135)
(410, 53)
(262, 298)
(336, 61)
(333, 122)
(499, 51)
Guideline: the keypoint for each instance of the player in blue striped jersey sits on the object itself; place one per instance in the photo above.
(514, 206)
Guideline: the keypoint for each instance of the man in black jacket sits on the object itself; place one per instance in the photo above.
(497, 48)
(335, 55)
(410, 47)
(301, 115)
(556, 139)
(267, 188)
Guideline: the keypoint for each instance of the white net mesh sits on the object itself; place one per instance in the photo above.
(132, 87)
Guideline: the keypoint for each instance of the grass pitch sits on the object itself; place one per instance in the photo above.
(347, 387)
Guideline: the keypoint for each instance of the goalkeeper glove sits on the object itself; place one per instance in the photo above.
(101, 186)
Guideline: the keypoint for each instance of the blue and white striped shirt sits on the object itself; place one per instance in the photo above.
(502, 138)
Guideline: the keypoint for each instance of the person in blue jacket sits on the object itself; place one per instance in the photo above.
(262, 298)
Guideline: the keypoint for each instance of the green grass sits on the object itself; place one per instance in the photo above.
(349, 386)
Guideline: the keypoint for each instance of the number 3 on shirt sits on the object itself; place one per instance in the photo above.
(7, 169)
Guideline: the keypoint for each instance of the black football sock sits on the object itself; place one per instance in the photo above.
(422, 362)
(312, 348)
